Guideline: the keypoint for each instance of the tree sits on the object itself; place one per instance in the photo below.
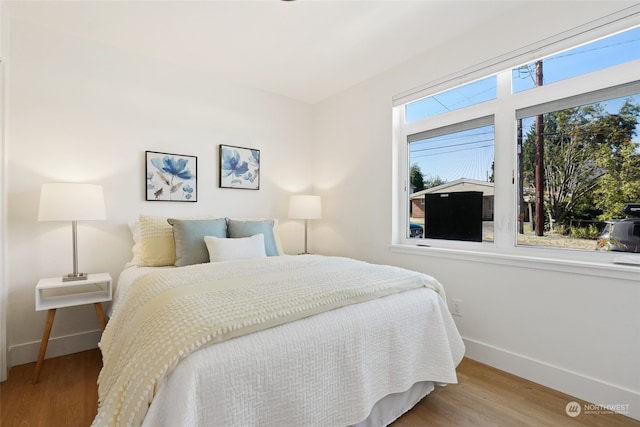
(433, 181)
(416, 178)
(571, 171)
(619, 157)
(590, 158)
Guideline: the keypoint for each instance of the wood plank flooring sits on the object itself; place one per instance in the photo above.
(66, 395)
(485, 396)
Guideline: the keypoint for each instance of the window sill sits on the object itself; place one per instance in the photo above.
(523, 259)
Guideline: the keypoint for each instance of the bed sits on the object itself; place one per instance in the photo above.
(341, 342)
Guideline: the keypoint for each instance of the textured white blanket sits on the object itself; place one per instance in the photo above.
(324, 370)
(168, 315)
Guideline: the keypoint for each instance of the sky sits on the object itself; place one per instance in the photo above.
(469, 154)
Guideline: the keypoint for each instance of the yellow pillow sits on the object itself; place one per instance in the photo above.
(156, 236)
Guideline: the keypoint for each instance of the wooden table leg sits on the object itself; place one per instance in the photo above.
(100, 314)
(43, 344)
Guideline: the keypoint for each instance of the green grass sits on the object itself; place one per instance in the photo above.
(549, 240)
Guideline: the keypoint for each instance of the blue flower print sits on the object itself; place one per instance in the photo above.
(172, 166)
(171, 177)
(188, 191)
(231, 163)
(255, 155)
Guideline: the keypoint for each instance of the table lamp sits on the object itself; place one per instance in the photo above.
(305, 207)
(72, 202)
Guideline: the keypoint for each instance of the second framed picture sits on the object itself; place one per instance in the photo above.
(239, 167)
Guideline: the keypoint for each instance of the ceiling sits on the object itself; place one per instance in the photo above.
(307, 50)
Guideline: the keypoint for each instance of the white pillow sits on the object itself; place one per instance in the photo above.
(249, 227)
(229, 249)
(134, 226)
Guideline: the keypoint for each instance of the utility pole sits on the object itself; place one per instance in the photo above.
(539, 161)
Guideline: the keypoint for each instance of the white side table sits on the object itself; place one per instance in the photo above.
(53, 293)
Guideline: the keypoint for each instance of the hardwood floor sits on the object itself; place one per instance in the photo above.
(485, 397)
(67, 396)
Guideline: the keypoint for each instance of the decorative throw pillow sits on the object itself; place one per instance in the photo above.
(156, 237)
(188, 236)
(247, 228)
(227, 249)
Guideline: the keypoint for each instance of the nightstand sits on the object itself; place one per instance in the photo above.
(53, 293)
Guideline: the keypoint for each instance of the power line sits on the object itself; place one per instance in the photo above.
(452, 151)
(453, 145)
(456, 135)
(526, 72)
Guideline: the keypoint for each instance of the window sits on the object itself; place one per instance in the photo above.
(453, 159)
(607, 52)
(565, 130)
(454, 99)
(590, 170)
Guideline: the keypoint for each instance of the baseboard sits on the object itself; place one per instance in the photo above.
(571, 383)
(58, 346)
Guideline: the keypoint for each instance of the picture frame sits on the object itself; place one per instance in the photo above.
(171, 177)
(239, 167)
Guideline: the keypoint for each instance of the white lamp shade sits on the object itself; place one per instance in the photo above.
(305, 207)
(71, 202)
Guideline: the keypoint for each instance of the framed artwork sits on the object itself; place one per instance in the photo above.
(171, 177)
(239, 167)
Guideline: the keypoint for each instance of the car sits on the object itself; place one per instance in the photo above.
(622, 235)
(415, 230)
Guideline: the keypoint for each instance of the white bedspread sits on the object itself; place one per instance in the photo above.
(326, 370)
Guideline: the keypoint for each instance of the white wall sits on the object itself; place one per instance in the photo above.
(78, 111)
(576, 333)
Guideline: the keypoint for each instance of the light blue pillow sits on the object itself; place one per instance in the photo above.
(188, 237)
(267, 227)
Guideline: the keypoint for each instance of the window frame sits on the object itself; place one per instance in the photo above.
(460, 126)
(504, 109)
